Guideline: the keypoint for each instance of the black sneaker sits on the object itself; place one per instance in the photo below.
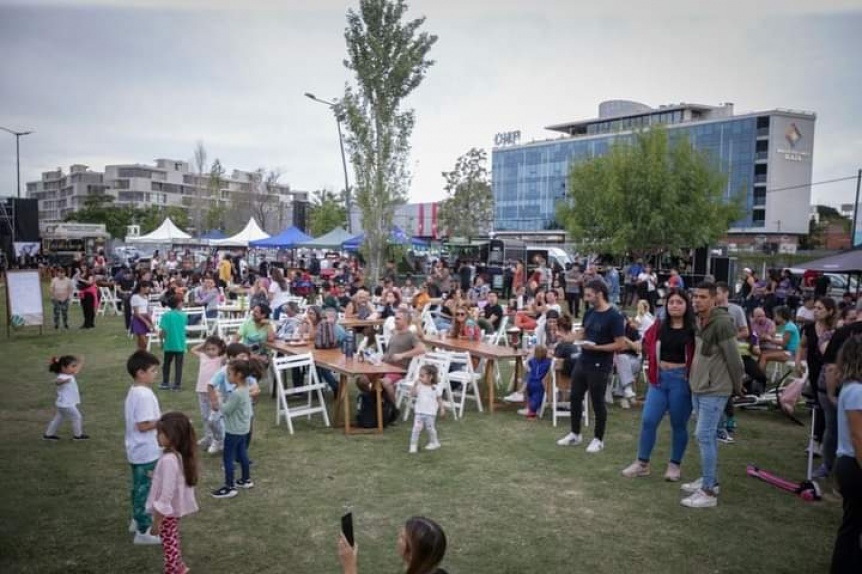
(81, 437)
(245, 484)
(224, 492)
(50, 437)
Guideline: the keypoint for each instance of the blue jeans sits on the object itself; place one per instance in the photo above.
(235, 448)
(672, 394)
(708, 409)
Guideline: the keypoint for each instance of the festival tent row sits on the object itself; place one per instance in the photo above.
(289, 238)
(332, 240)
(396, 237)
(165, 233)
(250, 233)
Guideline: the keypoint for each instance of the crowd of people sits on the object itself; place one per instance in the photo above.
(701, 350)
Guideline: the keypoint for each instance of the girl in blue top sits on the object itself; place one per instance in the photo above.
(847, 554)
(788, 333)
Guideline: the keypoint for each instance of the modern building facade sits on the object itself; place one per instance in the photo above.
(767, 157)
(168, 183)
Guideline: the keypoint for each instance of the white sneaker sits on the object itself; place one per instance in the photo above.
(595, 446)
(146, 538)
(629, 393)
(133, 526)
(570, 439)
(692, 487)
(413, 449)
(700, 499)
(215, 447)
(205, 442)
(523, 412)
(515, 397)
(432, 446)
(624, 404)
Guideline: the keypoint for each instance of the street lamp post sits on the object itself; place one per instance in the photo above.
(17, 154)
(333, 106)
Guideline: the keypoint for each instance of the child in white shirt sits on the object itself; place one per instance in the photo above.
(68, 397)
(427, 393)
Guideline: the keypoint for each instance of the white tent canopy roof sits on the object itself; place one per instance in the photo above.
(166, 233)
(251, 232)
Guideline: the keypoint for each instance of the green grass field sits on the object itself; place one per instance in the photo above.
(509, 499)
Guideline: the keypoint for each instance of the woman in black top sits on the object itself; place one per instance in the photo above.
(812, 345)
(668, 347)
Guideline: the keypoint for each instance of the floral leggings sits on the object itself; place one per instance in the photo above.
(170, 533)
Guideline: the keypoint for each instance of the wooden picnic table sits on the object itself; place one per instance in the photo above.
(487, 351)
(334, 360)
(353, 324)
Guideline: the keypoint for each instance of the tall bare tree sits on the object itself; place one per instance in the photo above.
(387, 54)
(199, 201)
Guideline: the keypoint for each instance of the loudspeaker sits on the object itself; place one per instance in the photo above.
(720, 269)
(26, 219)
(701, 256)
(300, 215)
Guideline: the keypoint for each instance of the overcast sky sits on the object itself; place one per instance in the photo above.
(128, 81)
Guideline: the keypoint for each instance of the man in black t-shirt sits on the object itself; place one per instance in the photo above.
(827, 391)
(603, 335)
(493, 311)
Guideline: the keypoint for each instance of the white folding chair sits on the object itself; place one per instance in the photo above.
(312, 389)
(441, 361)
(198, 332)
(557, 403)
(469, 379)
(428, 325)
(382, 341)
(107, 302)
(153, 337)
(405, 385)
(225, 328)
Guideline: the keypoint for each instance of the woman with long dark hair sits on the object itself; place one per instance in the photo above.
(421, 545)
(812, 345)
(669, 347)
(279, 292)
(89, 294)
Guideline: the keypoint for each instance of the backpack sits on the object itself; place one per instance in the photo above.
(324, 336)
(366, 411)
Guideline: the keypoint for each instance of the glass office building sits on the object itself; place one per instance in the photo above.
(761, 153)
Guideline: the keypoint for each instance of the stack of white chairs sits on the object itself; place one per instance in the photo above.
(312, 388)
(469, 379)
(107, 302)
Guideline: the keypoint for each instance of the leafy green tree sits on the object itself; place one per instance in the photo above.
(100, 209)
(468, 209)
(387, 54)
(648, 195)
(326, 212)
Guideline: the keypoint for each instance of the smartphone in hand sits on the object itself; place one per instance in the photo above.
(347, 527)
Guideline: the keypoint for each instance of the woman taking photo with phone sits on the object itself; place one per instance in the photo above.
(421, 545)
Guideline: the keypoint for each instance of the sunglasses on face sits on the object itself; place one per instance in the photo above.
(460, 314)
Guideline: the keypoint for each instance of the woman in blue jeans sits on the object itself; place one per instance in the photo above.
(669, 347)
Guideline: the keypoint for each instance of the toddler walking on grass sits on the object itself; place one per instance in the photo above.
(68, 397)
(428, 394)
(210, 353)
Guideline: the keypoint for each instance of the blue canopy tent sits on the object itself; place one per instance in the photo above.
(290, 237)
(396, 236)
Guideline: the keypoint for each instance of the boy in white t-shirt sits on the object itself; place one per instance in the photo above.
(142, 447)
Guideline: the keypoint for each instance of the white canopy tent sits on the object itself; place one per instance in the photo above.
(166, 233)
(251, 232)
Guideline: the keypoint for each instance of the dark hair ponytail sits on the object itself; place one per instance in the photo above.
(57, 364)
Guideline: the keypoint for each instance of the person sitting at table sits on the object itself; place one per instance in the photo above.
(404, 344)
(478, 294)
(408, 290)
(360, 307)
(786, 339)
(763, 327)
(421, 298)
(290, 322)
(464, 326)
(391, 302)
(528, 319)
(453, 301)
(328, 297)
(492, 314)
(256, 332)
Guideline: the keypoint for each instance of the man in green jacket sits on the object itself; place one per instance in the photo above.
(716, 374)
